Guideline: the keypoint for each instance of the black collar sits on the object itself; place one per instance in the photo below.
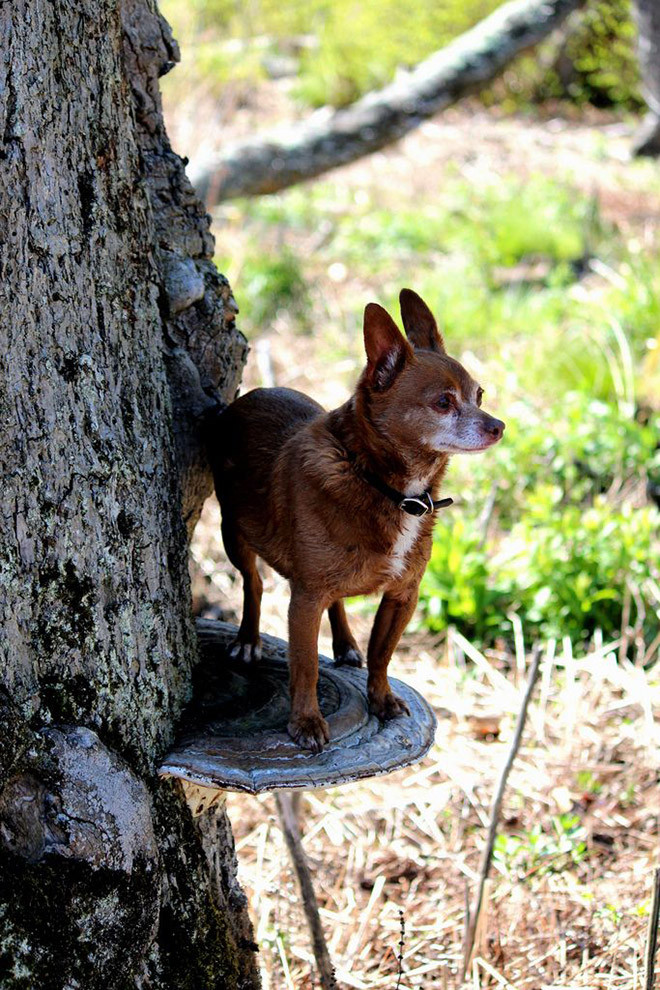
(414, 505)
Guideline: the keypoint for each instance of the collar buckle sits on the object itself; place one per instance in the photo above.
(417, 505)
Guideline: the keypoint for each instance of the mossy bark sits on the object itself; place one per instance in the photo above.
(116, 332)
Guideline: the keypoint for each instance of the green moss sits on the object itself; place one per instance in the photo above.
(54, 919)
(15, 737)
(67, 608)
(198, 948)
(69, 699)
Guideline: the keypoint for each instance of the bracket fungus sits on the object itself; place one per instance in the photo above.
(233, 735)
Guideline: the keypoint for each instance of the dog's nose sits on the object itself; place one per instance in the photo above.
(494, 427)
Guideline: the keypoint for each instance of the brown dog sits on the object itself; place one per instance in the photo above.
(341, 502)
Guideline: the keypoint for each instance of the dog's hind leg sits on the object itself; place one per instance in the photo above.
(344, 648)
(247, 646)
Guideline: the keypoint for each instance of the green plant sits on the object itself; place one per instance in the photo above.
(572, 569)
(457, 588)
(592, 60)
(588, 782)
(272, 283)
(602, 53)
(540, 852)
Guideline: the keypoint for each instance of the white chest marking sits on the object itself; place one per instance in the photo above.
(409, 530)
(404, 544)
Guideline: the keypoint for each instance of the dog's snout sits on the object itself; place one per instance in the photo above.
(494, 427)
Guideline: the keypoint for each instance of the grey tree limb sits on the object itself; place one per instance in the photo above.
(268, 164)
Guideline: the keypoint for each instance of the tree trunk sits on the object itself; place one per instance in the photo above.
(271, 163)
(647, 15)
(116, 333)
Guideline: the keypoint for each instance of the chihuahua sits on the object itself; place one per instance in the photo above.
(341, 503)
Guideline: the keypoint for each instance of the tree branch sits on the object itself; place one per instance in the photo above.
(268, 164)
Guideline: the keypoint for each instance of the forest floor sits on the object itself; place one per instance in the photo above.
(569, 894)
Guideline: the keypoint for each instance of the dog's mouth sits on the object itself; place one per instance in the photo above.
(458, 449)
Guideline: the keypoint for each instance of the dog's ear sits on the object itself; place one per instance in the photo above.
(419, 322)
(386, 347)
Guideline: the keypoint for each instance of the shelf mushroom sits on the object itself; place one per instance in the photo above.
(233, 735)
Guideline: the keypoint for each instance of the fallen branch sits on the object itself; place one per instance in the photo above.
(290, 829)
(496, 806)
(467, 64)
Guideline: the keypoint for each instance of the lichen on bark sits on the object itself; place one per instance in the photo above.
(115, 333)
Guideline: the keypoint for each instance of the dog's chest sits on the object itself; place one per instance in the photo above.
(405, 541)
(409, 531)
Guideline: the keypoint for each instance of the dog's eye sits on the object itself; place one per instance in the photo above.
(443, 403)
(480, 395)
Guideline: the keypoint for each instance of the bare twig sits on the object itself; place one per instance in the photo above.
(402, 942)
(496, 807)
(652, 935)
(486, 515)
(291, 833)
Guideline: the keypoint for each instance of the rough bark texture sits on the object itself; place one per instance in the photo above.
(647, 15)
(115, 333)
(268, 164)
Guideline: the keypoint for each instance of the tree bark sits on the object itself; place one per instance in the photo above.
(271, 163)
(647, 14)
(116, 332)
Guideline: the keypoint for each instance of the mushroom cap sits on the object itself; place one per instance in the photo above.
(234, 737)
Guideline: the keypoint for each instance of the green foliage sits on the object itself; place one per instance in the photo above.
(539, 852)
(548, 222)
(360, 46)
(272, 283)
(567, 569)
(457, 588)
(363, 44)
(602, 52)
(588, 782)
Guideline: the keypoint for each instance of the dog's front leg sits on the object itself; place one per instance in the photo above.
(307, 726)
(392, 617)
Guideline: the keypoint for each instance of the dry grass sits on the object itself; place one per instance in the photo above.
(407, 846)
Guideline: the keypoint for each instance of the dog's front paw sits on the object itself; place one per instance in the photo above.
(348, 656)
(388, 706)
(245, 652)
(309, 731)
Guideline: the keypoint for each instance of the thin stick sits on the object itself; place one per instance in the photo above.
(652, 934)
(496, 807)
(291, 834)
(285, 964)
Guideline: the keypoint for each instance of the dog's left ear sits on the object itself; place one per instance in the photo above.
(419, 322)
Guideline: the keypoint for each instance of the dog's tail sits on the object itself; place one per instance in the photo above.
(209, 420)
